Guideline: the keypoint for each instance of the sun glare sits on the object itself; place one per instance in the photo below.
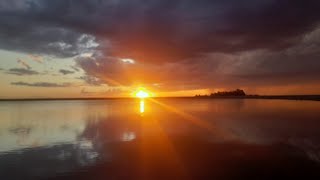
(142, 94)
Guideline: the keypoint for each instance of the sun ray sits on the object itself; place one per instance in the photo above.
(161, 143)
(203, 124)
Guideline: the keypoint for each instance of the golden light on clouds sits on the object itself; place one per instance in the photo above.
(128, 61)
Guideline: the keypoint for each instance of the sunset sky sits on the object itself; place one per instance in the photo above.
(96, 48)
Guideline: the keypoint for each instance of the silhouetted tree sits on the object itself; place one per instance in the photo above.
(237, 92)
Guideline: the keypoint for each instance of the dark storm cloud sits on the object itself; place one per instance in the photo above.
(26, 27)
(101, 68)
(294, 65)
(159, 30)
(194, 43)
(54, 41)
(65, 72)
(42, 84)
(21, 72)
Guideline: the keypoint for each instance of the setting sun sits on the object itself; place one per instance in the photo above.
(142, 94)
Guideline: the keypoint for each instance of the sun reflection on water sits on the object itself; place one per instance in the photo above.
(141, 106)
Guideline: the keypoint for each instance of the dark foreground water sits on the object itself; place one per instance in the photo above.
(160, 139)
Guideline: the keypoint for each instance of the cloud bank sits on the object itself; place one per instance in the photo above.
(182, 44)
(65, 71)
(42, 84)
(21, 72)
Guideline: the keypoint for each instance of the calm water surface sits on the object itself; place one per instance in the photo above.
(159, 139)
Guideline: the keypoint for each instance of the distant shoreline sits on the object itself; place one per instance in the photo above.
(280, 97)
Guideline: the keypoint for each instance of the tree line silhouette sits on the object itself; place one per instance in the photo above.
(237, 92)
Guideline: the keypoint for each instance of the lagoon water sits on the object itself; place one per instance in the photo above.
(174, 138)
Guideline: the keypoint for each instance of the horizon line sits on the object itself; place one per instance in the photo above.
(249, 96)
